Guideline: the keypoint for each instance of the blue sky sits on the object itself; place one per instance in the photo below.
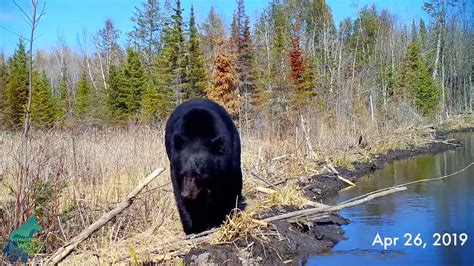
(69, 18)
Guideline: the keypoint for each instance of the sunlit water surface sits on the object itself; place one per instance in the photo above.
(445, 206)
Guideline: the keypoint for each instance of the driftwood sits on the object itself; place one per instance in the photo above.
(410, 183)
(64, 251)
(333, 170)
(205, 236)
(338, 207)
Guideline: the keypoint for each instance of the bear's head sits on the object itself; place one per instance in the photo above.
(199, 162)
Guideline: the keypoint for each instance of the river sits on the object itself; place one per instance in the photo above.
(444, 207)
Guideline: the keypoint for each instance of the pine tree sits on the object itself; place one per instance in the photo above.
(126, 88)
(414, 82)
(223, 89)
(146, 34)
(3, 82)
(213, 33)
(43, 106)
(84, 97)
(172, 59)
(242, 49)
(196, 68)
(63, 101)
(16, 88)
(133, 81)
(299, 74)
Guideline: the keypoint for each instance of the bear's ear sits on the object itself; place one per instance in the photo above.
(178, 142)
(217, 145)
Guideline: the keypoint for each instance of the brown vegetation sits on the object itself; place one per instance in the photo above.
(79, 175)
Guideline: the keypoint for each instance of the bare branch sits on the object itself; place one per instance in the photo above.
(12, 32)
(24, 13)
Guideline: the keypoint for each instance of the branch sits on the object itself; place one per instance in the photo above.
(205, 236)
(64, 251)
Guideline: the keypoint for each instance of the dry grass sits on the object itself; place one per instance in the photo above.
(97, 168)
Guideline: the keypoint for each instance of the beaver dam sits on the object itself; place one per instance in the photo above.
(291, 223)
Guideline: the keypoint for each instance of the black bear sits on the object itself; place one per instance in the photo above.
(203, 146)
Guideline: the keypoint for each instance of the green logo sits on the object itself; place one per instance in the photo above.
(21, 243)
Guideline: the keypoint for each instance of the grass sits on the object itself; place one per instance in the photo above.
(91, 170)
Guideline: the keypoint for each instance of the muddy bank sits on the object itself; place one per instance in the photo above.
(281, 243)
(285, 243)
(323, 186)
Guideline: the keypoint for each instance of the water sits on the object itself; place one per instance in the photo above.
(445, 206)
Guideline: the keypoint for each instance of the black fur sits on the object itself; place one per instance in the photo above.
(203, 147)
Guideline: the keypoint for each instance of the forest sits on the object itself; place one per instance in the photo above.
(304, 93)
(293, 60)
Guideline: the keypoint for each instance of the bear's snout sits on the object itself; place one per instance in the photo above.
(189, 189)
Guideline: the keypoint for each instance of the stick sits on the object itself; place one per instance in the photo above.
(204, 236)
(64, 251)
(333, 170)
(411, 183)
(307, 202)
(333, 208)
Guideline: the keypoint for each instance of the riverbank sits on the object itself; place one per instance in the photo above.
(289, 243)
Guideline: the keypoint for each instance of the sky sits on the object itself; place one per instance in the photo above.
(70, 18)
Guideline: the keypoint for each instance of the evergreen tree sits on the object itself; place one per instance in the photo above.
(3, 82)
(223, 89)
(63, 101)
(126, 88)
(196, 68)
(213, 29)
(133, 82)
(173, 58)
(84, 97)
(16, 88)
(242, 49)
(146, 34)
(281, 28)
(299, 74)
(154, 105)
(43, 107)
(414, 82)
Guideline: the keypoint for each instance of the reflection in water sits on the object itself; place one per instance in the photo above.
(444, 206)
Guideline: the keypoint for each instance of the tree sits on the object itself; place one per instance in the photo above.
(116, 100)
(43, 106)
(146, 34)
(107, 48)
(415, 83)
(172, 56)
(134, 80)
(84, 97)
(196, 75)
(223, 88)
(126, 88)
(213, 29)
(3, 82)
(63, 101)
(299, 73)
(16, 89)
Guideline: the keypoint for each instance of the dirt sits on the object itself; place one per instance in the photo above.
(285, 243)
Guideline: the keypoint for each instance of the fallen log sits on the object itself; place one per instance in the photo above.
(338, 207)
(333, 170)
(64, 251)
(205, 236)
